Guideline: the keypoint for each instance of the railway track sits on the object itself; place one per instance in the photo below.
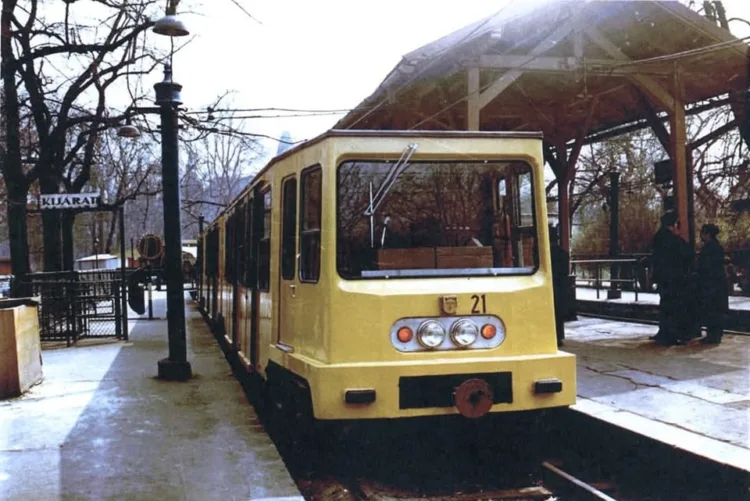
(573, 458)
(555, 484)
(475, 464)
(564, 456)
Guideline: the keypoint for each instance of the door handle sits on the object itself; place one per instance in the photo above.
(294, 289)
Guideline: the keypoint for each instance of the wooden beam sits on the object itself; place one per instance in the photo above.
(657, 126)
(550, 157)
(739, 106)
(578, 45)
(648, 84)
(550, 64)
(575, 152)
(511, 76)
(473, 107)
(714, 134)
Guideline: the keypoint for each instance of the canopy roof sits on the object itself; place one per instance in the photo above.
(560, 67)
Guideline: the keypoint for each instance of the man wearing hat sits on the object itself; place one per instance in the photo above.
(712, 285)
(672, 258)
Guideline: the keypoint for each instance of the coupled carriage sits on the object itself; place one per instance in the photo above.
(388, 274)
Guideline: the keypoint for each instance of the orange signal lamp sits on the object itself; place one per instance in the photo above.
(489, 331)
(405, 334)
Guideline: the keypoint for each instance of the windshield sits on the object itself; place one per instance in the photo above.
(446, 218)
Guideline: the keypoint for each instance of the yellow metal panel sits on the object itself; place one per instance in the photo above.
(342, 327)
(329, 383)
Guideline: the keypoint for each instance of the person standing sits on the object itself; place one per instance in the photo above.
(713, 292)
(560, 262)
(672, 260)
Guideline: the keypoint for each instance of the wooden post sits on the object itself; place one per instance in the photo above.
(563, 203)
(678, 152)
(473, 107)
(690, 196)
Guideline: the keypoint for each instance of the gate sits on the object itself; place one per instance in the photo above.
(85, 303)
(80, 304)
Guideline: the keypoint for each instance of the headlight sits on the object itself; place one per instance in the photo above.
(464, 332)
(431, 334)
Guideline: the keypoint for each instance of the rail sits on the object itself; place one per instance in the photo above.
(623, 271)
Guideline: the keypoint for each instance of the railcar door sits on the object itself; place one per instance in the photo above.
(238, 304)
(287, 262)
(255, 216)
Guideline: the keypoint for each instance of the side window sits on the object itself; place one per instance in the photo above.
(249, 257)
(502, 192)
(199, 258)
(289, 228)
(264, 246)
(210, 255)
(525, 196)
(229, 250)
(309, 227)
(239, 241)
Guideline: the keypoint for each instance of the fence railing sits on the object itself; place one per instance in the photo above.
(79, 304)
(624, 274)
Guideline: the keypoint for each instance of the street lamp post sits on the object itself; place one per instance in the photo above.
(176, 366)
(614, 291)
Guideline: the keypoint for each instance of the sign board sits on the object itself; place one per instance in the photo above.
(663, 172)
(70, 201)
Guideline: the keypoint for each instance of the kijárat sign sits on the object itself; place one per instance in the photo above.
(70, 201)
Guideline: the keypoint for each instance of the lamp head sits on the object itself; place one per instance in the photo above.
(169, 25)
(128, 130)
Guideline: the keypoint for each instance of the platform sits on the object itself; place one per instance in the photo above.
(646, 307)
(694, 397)
(101, 426)
(739, 303)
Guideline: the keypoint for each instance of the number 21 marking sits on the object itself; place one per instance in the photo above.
(477, 299)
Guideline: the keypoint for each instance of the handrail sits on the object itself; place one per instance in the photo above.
(586, 261)
(598, 279)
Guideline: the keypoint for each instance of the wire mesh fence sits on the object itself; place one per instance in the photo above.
(78, 304)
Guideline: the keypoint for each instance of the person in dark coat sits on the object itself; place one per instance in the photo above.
(560, 262)
(672, 260)
(713, 292)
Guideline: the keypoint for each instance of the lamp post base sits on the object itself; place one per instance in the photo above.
(171, 370)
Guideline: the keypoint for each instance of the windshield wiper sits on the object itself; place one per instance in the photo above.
(390, 179)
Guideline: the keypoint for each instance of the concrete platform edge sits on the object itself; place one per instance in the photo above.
(713, 450)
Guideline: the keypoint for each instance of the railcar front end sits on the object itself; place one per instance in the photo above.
(433, 289)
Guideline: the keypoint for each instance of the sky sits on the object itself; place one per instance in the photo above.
(320, 55)
(315, 55)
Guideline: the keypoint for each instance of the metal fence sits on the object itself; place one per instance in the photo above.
(79, 304)
(628, 274)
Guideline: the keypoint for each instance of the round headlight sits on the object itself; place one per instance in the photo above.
(464, 332)
(431, 334)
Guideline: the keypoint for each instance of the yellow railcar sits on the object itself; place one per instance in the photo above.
(390, 274)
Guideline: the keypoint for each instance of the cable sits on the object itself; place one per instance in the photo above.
(280, 116)
(235, 2)
(253, 110)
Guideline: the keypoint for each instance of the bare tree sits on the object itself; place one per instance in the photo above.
(58, 70)
(125, 170)
(220, 163)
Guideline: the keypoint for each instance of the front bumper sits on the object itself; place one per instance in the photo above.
(425, 388)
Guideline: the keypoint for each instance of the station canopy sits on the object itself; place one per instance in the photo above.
(564, 68)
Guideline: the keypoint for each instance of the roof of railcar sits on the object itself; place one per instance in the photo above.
(439, 134)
